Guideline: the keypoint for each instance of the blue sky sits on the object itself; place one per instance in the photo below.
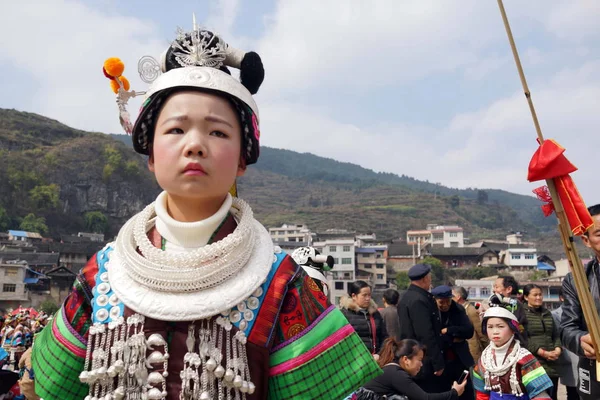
(423, 88)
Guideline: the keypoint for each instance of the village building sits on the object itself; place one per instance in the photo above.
(343, 252)
(371, 263)
(22, 236)
(437, 236)
(291, 233)
(459, 257)
(12, 277)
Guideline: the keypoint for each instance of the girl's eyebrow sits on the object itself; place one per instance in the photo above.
(209, 118)
(178, 118)
(216, 118)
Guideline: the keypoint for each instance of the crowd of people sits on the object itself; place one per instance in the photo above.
(194, 301)
(17, 332)
(16, 339)
(512, 346)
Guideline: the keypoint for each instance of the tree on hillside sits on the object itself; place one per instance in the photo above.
(113, 161)
(438, 273)
(96, 222)
(4, 220)
(402, 280)
(482, 197)
(31, 223)
(45, 197)
(454, 201)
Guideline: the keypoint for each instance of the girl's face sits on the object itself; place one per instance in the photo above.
(498, 331)
(196, 149)
(535, 298)
(412, 365)
(363, 298)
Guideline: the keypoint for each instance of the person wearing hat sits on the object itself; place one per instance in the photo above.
(507, 370)
(456, 329)
(420, 320)
(192, 301)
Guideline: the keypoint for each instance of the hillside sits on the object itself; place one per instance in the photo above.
(63, 174)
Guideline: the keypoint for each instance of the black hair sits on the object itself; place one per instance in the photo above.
(391, 297)
(462, 292)
(393, 350)
(356, 287)
(594, 210)
(508, 280)
(529, 287)
(560, 292)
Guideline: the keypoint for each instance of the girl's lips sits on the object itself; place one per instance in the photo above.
(194, 172)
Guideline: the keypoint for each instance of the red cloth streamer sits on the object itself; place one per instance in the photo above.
(549, 162)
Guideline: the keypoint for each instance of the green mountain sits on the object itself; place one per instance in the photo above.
(74, 178)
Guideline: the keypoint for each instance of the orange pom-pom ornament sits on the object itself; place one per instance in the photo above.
(113, 67)
(115, 86)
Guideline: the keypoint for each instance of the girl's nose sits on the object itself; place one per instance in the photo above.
(195, 144)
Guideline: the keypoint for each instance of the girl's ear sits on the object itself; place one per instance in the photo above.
(241, 170)
(241, 167)
(151, 162)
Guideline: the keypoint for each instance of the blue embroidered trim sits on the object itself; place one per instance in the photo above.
(244, 314)
(106, 306)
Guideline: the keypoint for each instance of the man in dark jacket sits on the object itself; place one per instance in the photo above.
(575, 335)
(420, 320)
(456, 329)
(506, 289)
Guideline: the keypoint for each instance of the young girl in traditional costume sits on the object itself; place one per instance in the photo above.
(506, 370)
(192, 300)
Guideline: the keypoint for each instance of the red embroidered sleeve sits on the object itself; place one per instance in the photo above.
(303, 303)
(482, 396)
(78, 309)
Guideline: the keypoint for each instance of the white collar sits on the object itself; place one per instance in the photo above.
(187, 235)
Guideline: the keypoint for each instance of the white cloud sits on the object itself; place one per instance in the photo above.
(363, 44)
(574, 20)
(490, 147)
(310, 47)
(63, 45)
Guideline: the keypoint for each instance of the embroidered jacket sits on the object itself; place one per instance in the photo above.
(530, 374)
(298, 345)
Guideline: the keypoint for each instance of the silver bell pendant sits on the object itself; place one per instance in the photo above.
(211, 364)
(219, 371)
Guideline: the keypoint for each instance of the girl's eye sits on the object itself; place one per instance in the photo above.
(219, 134)
(175, 130)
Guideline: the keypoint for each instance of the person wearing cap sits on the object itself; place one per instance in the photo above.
(456, 329)
(507, 370)
(420, 320)
(192, 301)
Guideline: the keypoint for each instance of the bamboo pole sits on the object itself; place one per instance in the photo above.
(581, 282)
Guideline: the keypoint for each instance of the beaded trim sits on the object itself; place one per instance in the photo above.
(116, 364)
(252, 260)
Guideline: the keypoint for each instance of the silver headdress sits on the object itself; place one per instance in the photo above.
(198, 48)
